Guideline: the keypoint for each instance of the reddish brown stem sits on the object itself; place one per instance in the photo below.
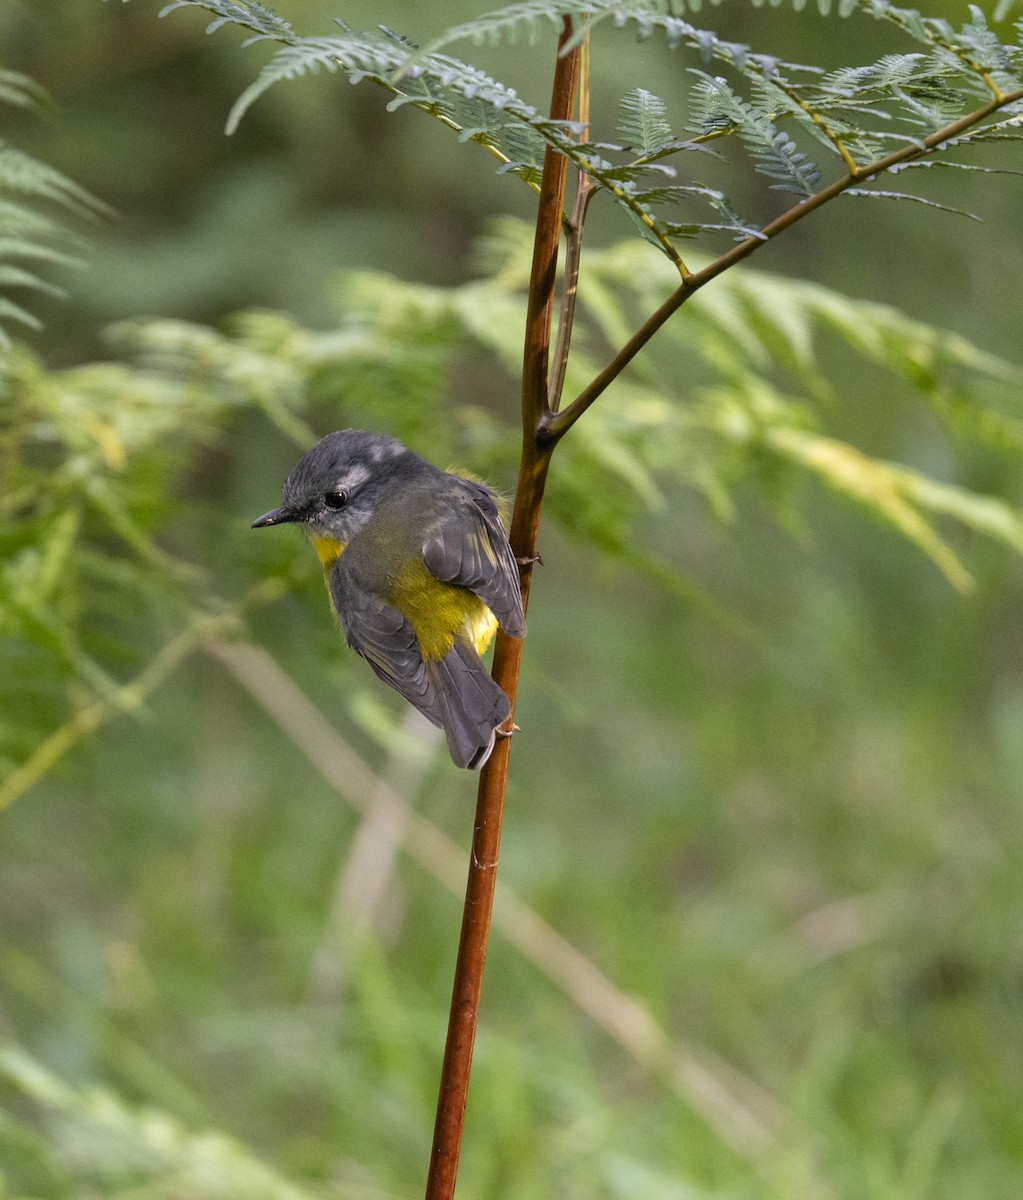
(479, 893)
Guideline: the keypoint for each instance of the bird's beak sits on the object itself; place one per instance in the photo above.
(278, 516)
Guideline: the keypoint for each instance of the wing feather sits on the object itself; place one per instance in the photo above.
(469, 547)
(387, 641)
(455, 693)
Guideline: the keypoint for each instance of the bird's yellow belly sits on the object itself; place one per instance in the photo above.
(440, 612)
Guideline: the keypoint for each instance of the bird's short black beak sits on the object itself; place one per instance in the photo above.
(278, 516)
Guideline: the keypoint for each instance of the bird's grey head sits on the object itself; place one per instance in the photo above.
(336, 485)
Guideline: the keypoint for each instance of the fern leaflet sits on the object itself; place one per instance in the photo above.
(29, 190)
(643, 122)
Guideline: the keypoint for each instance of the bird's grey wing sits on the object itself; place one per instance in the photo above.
(468, 546)
(387, 641)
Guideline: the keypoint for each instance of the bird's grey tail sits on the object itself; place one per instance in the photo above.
(471, 704)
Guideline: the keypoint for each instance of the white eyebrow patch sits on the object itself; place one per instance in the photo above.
(353, 478)
(385, 449)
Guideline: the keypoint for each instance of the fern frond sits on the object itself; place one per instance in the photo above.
(928, 109)
(298, 57)
(525, 149)
(462, 96)
(11, 276)
(975, 48)
(9, 311)
(28, 233)
(879, 194)
(751, 318)
(775, 154)
(21, 173)
(466, 99)
(248, 14)
(21, 91)
(909, 92)
(526, 21)
(892, 493)
(20, 223)
(984, 46)
(650, 18)
(643, 122)
(530, 18)
(926, 79)
(944, 164)
(1008, 130)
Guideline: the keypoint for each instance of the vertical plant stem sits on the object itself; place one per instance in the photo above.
(536, 450)
(573, 240)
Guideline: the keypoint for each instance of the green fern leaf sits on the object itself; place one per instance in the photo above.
(11, 276)
(926, 164)
(20, 91)
(530, 18)
(20, 222)
(1007, 130)
(910, 91)
(775, 154)
(19, 314)
(984, 46)
(28, 233)
(525, 150)
(643, 122)
(879, 194)
(248, 14)
(891, 493)
(21, 173)
(299, 58)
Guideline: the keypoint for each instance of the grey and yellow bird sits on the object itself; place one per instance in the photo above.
(419, 572)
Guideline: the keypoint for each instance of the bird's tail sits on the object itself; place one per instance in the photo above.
(471, 704)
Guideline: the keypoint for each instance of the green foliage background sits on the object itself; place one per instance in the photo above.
(768, 773)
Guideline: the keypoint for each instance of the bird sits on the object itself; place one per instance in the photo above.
(419, 572)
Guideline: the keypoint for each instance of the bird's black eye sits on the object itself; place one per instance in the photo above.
(335, 499)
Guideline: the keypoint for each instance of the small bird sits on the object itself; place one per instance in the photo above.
(419, 572)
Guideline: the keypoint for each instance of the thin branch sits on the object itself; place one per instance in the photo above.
(540, 308)
(557, 424)
(573, 242)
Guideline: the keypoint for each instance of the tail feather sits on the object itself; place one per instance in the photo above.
(471, 704)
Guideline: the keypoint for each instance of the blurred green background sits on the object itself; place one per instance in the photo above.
(780, 810)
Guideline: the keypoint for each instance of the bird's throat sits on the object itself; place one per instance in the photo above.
(328, 549)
